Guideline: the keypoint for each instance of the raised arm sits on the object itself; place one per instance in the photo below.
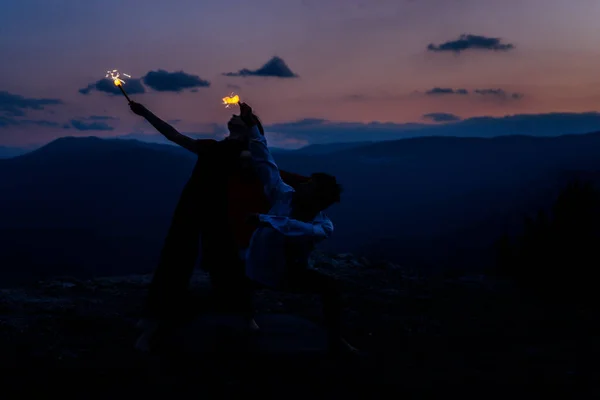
(293, 179)
(264, 163)
(164, 128)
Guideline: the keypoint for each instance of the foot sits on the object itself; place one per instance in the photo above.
(253, 326)
(154, 331)
(143, 343)
(340, 346)
(146, 323)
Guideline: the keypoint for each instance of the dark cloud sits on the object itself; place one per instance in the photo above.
(373, 96)
(442, 117)
(83, 125)
(490, 93)
(275, 67)
(437, 90)
(232, 86)
(91, 123)
(173, 121)
(163, 81)
(499, 93)
(467, 41)
(312, 130)
(305, 123)
(132, 86)
(15, 105)
(11, 121)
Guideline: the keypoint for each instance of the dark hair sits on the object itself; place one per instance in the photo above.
(327, 188)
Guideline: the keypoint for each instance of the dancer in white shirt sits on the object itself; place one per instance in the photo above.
(279, 249)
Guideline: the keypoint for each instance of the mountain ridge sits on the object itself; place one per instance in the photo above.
(459, 193)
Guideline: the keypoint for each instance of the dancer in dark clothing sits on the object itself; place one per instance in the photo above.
(211, 212)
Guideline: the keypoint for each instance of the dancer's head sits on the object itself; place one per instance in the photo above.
(237, 128)
(318, 193)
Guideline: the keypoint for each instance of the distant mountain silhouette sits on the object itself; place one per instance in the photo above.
(328, 148)
(339, 134)
(318, 131)
(550, 124)
(99, 206)
(156, 138)
(8, 152)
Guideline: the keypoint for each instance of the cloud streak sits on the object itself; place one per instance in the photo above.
(442, 91)
(90, 126)
(91, 123)
(441, 117)
(317, 131)
(12, 122)
(499, 93)
(489, 93)
(471, 42)
(275, 67)
(321, 131)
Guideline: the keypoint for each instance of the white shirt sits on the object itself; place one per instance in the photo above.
(265, 258)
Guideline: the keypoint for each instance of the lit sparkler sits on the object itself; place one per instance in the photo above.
(230, 100)
(115, 76)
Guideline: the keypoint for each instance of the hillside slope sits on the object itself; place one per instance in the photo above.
(424, 335)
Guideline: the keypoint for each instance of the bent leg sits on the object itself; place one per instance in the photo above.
(231, 290)
(312, 281)
(308, 280)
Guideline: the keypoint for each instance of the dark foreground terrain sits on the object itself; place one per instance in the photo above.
(425, 337)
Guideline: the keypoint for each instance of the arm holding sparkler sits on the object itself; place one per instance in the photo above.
(317, 228)
(266, 167)
(164, 128)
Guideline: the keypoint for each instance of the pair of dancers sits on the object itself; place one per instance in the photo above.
(253, 225)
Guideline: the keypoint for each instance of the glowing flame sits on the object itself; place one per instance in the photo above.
(231, 99)
(115, 76)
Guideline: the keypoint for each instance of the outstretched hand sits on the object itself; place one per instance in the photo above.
(138, 109)
(245, 109)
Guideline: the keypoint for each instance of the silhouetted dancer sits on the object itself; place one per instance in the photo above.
(211, 212)
(280, 247)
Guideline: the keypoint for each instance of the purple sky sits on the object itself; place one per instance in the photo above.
(353, 61)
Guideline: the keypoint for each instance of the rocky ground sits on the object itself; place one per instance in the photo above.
(425, 336)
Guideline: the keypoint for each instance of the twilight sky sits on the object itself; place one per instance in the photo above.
(399, 61)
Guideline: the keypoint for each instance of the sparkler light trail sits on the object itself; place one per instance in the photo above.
(230, 100)
(115, 76)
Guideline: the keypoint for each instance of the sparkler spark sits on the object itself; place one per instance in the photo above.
(231, 99)
(115, 76)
